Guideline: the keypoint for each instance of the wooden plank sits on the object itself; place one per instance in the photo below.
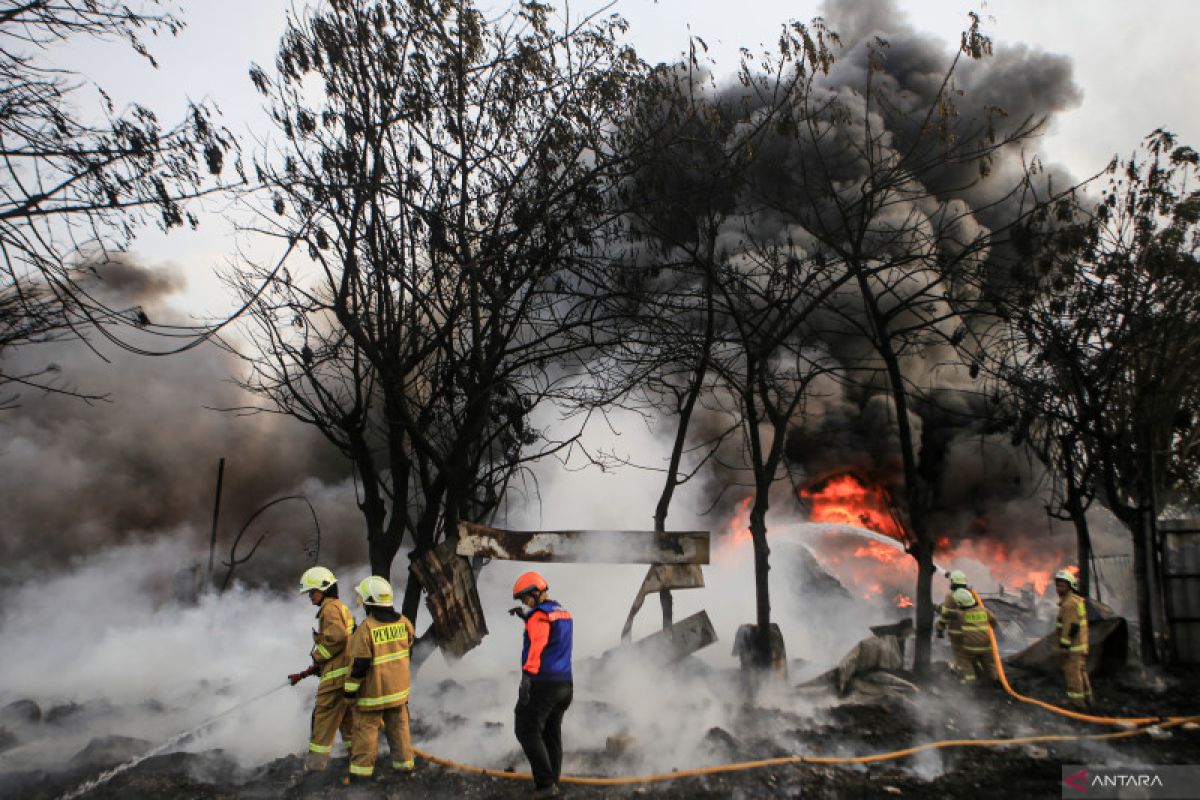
(662, 577)
(585, 546)
(668, 646)
(453, 602)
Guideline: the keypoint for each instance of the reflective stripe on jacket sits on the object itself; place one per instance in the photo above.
(975, 624)
(330, 651)
(381, 649)
(546, 650)
(1072, 609)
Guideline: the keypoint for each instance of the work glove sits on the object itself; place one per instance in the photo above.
(350, 697)
(523, 692)
(518, 612)
(941, 633)
(296, 677)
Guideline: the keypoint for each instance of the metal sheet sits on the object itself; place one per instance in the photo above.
(585, 546)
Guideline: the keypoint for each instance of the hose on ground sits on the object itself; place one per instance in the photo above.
(825, 760)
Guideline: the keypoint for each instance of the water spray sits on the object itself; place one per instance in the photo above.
(108, 775)
(883, 539)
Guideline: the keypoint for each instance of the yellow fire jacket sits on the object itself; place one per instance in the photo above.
(379, 673)
(1072, 623)
(330, 651)
(975, 623)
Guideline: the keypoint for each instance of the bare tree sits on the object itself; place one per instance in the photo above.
(1098, 338)
(74, 188)
(442, 187)
(876, 187)
(722, 305)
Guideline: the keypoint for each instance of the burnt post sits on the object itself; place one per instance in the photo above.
(212, 539)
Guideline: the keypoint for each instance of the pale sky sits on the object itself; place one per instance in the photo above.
(1133, 62)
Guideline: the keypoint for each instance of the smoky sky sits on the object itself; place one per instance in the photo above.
(983, 483)
(80, 476)
(965, 455)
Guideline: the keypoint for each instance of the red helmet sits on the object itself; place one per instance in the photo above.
(529, 582)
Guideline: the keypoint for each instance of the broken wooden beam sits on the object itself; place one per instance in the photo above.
(452, 599)
(681, 639)
(666, 646)
(597, 547)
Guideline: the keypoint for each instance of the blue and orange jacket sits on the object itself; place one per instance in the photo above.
(546, 653)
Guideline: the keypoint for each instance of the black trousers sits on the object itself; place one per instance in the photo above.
(539, 729)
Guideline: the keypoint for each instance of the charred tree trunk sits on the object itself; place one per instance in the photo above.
(922, 547)
(423, 540)
(1135, 520)
(1145, 600)
(685, 418)
(380, 549)
(411, 603)
(1083, 543)
(762, 566)
(383, 542)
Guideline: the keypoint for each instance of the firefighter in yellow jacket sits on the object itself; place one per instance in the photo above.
(331, 661)
(1073, 639)
(975, 622)
(950, 617)
(379, 681)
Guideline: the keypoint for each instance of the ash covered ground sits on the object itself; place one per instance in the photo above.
(783, 720)
(154, 668)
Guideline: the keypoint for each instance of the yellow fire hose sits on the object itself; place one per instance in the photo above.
(1135, 726)
(1123, 721)
(774, 762)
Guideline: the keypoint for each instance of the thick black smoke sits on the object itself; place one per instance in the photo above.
(79, 477)
(984, 485)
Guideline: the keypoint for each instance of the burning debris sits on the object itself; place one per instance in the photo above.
(848, 500)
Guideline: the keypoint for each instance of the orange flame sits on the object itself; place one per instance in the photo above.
(739, 526)
(845, 500)
(1009, 564)
(874, 570)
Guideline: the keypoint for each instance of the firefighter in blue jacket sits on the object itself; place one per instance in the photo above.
(546, 685)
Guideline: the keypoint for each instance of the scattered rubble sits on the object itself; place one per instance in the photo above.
(759, 731)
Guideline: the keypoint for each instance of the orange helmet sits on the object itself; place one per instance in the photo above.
(529, 582)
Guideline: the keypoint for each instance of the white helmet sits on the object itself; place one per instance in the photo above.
(375, 591)
(1069, 577)
(957, 577)
(317, 578)
(964, 598)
